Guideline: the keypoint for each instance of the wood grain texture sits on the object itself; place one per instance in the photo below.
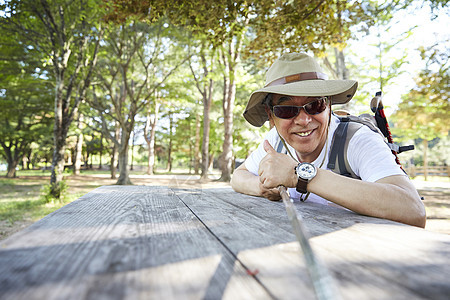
(369, 258)
(120, 243)
(142, 242)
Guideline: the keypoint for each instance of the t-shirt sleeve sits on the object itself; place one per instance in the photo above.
(370, 157)
(252, 162)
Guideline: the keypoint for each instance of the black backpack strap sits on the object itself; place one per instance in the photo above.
(337, 160)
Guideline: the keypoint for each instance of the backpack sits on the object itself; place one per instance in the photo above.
(348, 126)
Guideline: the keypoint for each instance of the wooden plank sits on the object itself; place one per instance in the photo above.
(121, 243)
(387, 256)
(370, 258)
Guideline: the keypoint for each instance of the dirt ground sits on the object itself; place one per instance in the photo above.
(436, 196)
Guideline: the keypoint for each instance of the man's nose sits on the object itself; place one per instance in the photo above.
(302, 118)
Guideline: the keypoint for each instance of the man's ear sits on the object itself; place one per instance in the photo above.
(269, 115)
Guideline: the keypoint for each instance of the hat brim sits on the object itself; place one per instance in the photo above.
(342, 91)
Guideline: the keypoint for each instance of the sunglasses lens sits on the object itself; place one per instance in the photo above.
(285, 111)
(316, 107)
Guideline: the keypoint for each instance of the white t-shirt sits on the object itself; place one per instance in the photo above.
(368, 155)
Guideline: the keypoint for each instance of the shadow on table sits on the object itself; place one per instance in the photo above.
(153, 238)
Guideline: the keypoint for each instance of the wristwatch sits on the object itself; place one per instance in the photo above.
(305, 172)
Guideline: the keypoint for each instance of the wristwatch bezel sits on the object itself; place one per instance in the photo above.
(308, 173)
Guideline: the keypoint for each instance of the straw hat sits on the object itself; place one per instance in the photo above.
(297, 74)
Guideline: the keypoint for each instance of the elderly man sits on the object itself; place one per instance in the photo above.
(297, 101)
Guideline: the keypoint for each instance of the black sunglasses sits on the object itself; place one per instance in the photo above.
(290, 111)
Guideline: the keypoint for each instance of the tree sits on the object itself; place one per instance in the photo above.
(378, 68)
(67, 32)
(136, 60)
(24, 119)
(25, 100)
(201, 69)
(429, 102)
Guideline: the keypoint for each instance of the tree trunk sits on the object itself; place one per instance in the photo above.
(191, 150)
(132, 151)
(169, 155)
(151, 159)
(57, 167)
(29, 160)
(150, 125)
(113, 166)
(11, 159)
(101, 151)
(151, 152)
(227, 150)
(11, 170)
(59, 137)
(78, 155)
(341, 69)
(78, 148)
(115, 154)
(205, 87)
(229, 94)
(197, 144)
(86, 159)
(124, 175)
(12, 153)
(24, 161)
(206, 128)
(425, 159)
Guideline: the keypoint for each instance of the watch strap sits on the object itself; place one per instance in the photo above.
(301, 185)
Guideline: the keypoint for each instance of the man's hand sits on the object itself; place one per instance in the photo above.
(271, 194)
(276, 169)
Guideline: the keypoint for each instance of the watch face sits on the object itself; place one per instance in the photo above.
(306, 171)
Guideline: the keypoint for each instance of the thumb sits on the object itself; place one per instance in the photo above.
(268, 147)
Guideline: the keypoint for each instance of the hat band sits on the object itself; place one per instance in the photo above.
(298, 77)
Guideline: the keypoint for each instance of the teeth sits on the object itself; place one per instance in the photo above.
(304, 133)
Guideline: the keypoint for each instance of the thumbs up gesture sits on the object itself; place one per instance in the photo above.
(276, 169)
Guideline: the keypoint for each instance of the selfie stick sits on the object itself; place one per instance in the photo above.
(321, 279)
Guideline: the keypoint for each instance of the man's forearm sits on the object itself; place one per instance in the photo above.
(392, 198)
(245, 182)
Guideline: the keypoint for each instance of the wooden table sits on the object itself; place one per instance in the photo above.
(143, 242)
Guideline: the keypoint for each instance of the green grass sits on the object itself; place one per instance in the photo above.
(22, 198)
(17, 210)
(20, 173)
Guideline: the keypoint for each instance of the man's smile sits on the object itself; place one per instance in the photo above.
(304, 133)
